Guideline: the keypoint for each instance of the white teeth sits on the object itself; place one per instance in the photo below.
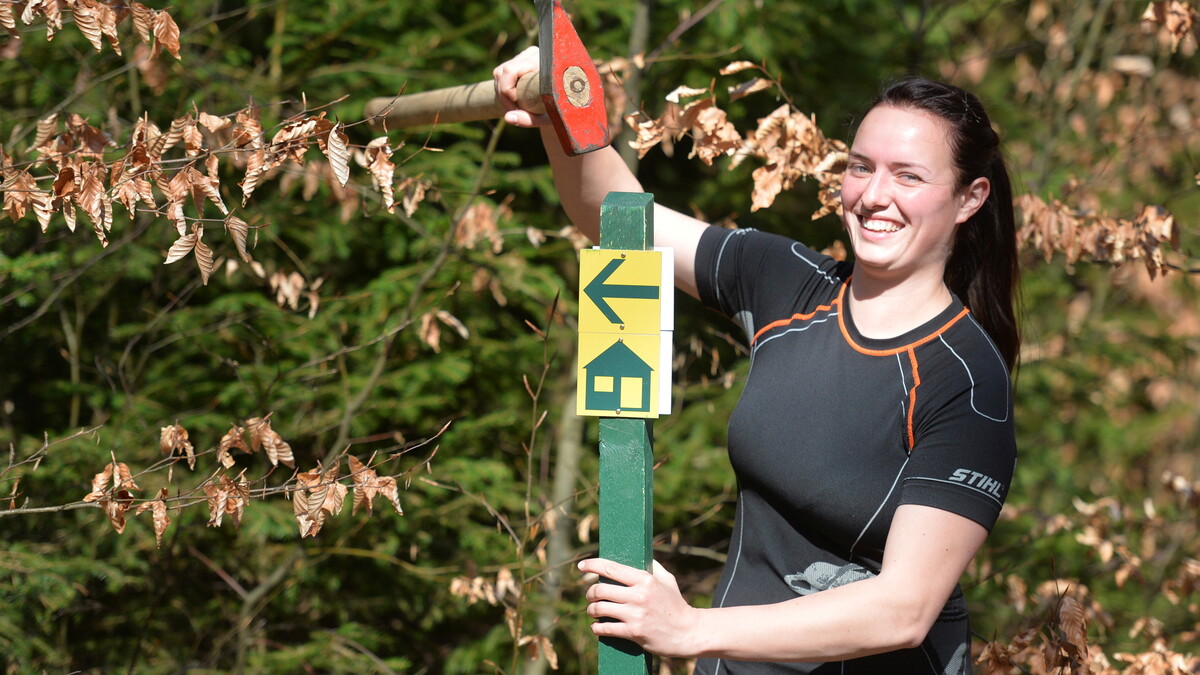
(876, 225)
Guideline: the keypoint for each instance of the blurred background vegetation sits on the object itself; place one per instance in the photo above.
(100, 348)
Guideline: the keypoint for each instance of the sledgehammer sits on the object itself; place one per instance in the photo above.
(566, 88)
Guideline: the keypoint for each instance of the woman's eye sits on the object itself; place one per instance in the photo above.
(859, 169)
(910, 178)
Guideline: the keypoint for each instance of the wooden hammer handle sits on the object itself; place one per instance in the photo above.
(467, 103)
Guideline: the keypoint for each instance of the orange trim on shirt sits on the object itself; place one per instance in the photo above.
(897, 350)
(794, 317)
(912, 397)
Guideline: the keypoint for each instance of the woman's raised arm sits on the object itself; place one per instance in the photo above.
(583, 182)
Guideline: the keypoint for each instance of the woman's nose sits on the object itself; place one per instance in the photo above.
(874, 195)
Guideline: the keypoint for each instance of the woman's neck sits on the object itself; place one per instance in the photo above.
(885, 309)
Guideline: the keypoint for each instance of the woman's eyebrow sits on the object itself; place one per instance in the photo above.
(897, 165)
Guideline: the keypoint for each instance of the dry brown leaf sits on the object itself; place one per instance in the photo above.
(277, 450)
(307, 499)
(480, 221)
(158, 507)
(218, 498)
(367, 485)
(337, 149)
(22, 194)
(713, 135)
(225, 458)
(737, 67)
(431, 333)
(193, 140)
(7, 20)
(288, 289)
(93, 199)
(204, 260)
(166, 33)
(1073, 623)
(749, 87)
(1177, 19)
(47, 127)
(181, 248)
(239, 230)
(100, 484)
(189, 181)
(453, 322)
(164, 142)
(115, 508)
(255, 166)
(108, 25)
(173, 440)
(129, 189)
(213, 123)
(257, 426)
(143, 20)
(649, 133)
(684, 91)
(88, 20)
(383, 171)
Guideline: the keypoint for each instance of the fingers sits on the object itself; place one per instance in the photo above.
(622, 574)
(505, 76)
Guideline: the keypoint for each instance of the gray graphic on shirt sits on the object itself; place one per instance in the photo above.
(822, 576)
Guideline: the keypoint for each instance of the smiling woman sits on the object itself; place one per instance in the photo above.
(873, 442)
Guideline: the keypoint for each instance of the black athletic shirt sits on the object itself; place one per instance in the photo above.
(835, 430)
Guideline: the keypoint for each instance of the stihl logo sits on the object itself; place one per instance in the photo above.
(977, 480)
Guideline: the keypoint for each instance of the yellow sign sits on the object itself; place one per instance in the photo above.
(618, 375)
(619, 292)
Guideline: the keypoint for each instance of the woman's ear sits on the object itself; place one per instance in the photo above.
(973, 198)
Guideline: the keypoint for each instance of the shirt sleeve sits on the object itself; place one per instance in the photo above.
(965, 451)
(745, 274)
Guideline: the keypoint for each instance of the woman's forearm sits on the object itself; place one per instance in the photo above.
(852, 621)
(583, 181)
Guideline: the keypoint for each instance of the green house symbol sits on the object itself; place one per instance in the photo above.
(617, 379)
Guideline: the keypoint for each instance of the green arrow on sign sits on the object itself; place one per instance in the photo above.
(600, 292)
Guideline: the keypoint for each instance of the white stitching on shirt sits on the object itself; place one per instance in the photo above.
(733, 572)
(825, 275)
(882, 502)
(972, 378)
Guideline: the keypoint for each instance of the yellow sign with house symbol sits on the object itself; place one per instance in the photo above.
(620, 338)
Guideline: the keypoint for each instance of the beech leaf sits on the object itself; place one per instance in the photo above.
(143, 20)
(87, 19)
(158, 507)
(337, 149)
(749, 87)
(166, 32)
(204, 260)
(100, 484)
(181, 248)
(737, 67)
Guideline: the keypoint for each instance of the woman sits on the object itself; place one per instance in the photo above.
(873, 443)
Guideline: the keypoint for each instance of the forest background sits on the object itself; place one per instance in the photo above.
(350, 314)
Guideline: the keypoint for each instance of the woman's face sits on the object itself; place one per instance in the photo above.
(900, 198)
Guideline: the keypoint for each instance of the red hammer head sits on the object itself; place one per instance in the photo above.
(570, 84)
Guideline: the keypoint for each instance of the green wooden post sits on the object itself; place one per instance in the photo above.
(626, 448)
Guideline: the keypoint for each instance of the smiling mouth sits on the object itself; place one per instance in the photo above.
(881, 225)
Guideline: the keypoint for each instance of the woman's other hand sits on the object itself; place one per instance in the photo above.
(645, 607)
